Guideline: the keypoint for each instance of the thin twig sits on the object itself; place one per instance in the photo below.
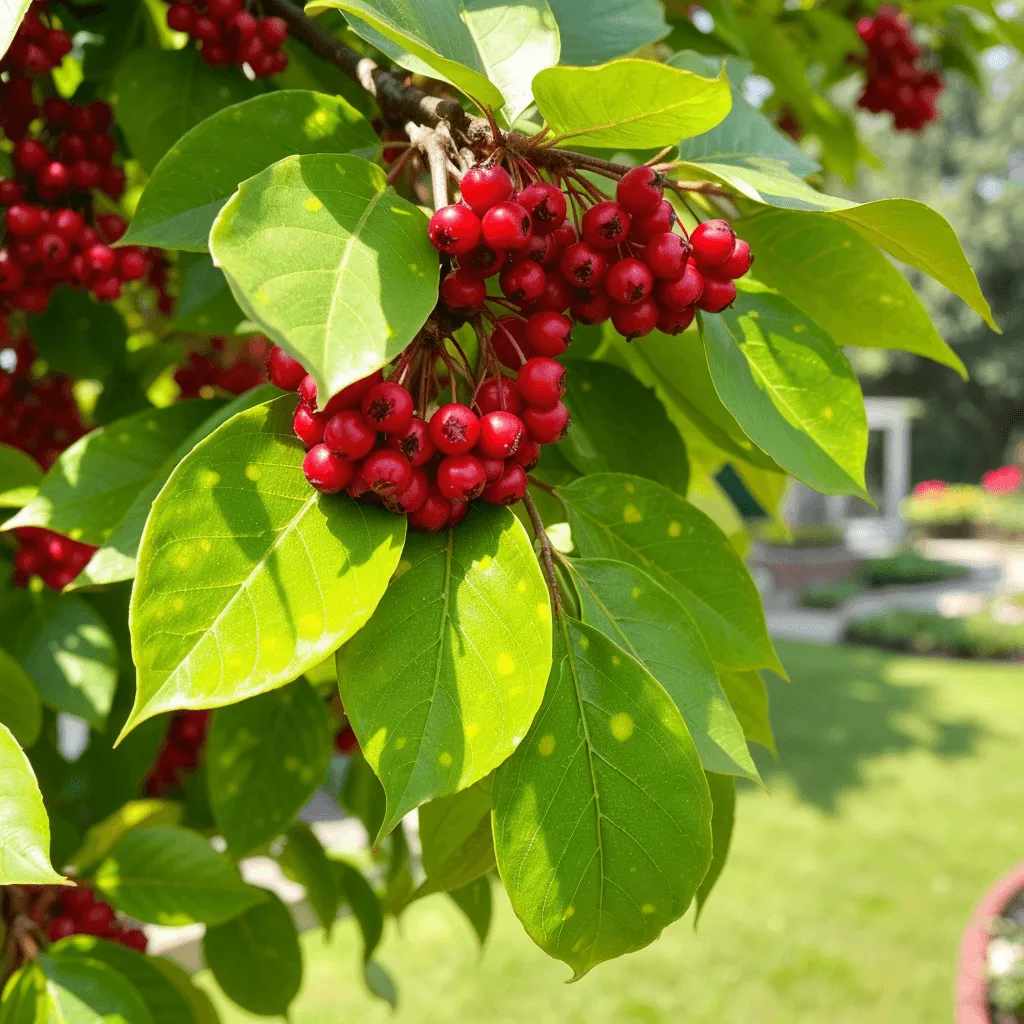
(433, 143)
(546, 560)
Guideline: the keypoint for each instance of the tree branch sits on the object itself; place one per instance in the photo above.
(546, 560)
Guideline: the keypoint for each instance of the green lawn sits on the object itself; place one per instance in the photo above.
(895, 801)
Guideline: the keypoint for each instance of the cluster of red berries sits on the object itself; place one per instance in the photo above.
(371, 441)
(54, 558)
(38, 414)
(224, 368)
(228, 34)
(78, 912)
(181, 752)
(620, 260)
(896, 81)
(345, 741)
(36, 48)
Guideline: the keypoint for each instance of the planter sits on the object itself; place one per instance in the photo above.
(971, 975)
(798, 568)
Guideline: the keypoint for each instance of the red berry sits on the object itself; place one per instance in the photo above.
(556, 297)
(216, 55)
(415, 443)
(96, 920)
(76, 900)
(636, 320)
(640, 190)
(717, 295)
(737, 264)
(56, 111)
(10, 192)
(498, 394)
(539, 250)
(454, 429)
(605, 225)
(24, 220)
(493, 468)
(101, 114)
(678, 295)
(206, 30)
(461, 477)
(86, 174)
(564, 236)
(388, 407)
(244, 25)
(273, 31)
(113, 181)
(548, 333)
(308, 391)
(484, 187)
(101, 147)
(68, 224)
(462, 290)
(29, 156)
(387, 472)
(181, 17)
(134, 938)
(111, 227)
(285, 373)
(52, 248)
(413, 497)
(583, 265)
(645, 227)
(712, 242)
(61, 927)
(483, 261)
(457, 512)
(351, 397)
(523, 280)
(672, 322)
(546, 205)
(102, 259)
(508, 488)
(629, 281)
(528, 453)
(500, 434)
(454, 230)
(592, 309)
(432, 515)
(507, 226)
(541, 381)
(349, 435)
(546, 425)
(132, 264)
(327, 472)
(31, 298)
(666, 255)
(508, 339)
(308, 426)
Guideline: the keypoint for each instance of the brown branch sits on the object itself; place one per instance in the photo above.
(433, 143)
(546, 559)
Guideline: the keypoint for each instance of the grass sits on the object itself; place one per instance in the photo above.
(895, 802)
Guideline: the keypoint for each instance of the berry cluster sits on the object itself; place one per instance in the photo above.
(36, 48)
(56, 559)
(228, 34)
(617, 259)
(223, 369)
(38, 414)
(78, 912)
(896, 80)
(181, 753)
(345, 741)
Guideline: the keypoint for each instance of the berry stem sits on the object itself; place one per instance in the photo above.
(399, 165)
(546, 559)
(433, 143)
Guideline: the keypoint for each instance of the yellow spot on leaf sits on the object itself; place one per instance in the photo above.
(616, 660)
(400, 742)
(543, 611)
(674, 529)
(521, 586)
(799, 328)
(483, 564)
(183, 559)
(472, 729)
(621, 726)
(631, 514)
(253, 473)
(311, 624)
(446, 759)
(205, 546)
(827, 412)
(635, 593)
(584, 643)
(177, 604)
(629, 488)
(648, 908)
(209, 478)
(569, 911)
(753, 314)
(546, 745)
(292, 763)
(506, 664)
(313, 204)
(586, 386)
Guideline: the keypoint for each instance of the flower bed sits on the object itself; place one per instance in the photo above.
(994, 509)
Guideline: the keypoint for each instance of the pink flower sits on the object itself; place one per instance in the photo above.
(1004, 480)
(929, 487)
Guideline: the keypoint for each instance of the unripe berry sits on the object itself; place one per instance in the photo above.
(546, 425)
(548, 333)
(717, 295)
(413, 497)
(349, 435)
(679, 294)
(528, 453)
(712, 242)
(387, 472)
(454, 230)
(666, 255)
(672, 322)
(646, 226)
(308, 426)
(454, 429)
(541, 381)
(637, 320)
(461, 477)
(483, 261)
(500, 434)
(327, 472)
(484, 187)
(523, 280)
(464, 291)
(629, 281)
(639, 191)
(738, 263)
(592, 309)
(605, 225)
(508, 339)
(498, 394)
(432, 515)
(546, 205)
(583, 265)
(388, 407)
(415, 444)
(508, 488)
(507, 226)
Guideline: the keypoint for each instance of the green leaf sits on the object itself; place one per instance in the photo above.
(364, 903)
(247, 576)
(723, 801)
(19, 477)
(265, 758)
(444, 680)
(474, 900)
(256, 958)
(172, 876)
(606, 781)
(490, 50)
(342, 277)
(65, 648)
(381, 984)
(205, 304)
(24, 826)
(749, 699)
(180, 91)
(601, 30)
(20, 708)
(455, 834)
(89, 490)
(201, 172)
(841, 280)
(304, 860)
(11, 14)
(362, 794)
(633, 520)
(200, 1004)
(630, 104)
(104, 835)
(159, 994)
(603, 440)
(791, 389)
(115, 560)
(644, 619)
(80, 336)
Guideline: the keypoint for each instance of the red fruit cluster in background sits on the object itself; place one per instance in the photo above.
(38, 414)
(78, 912)
(897, 81)
(615, 259)
(36, 47)
(345, 741)
(181, 752)
(229, 34)
(225, 368)
(55, 559)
